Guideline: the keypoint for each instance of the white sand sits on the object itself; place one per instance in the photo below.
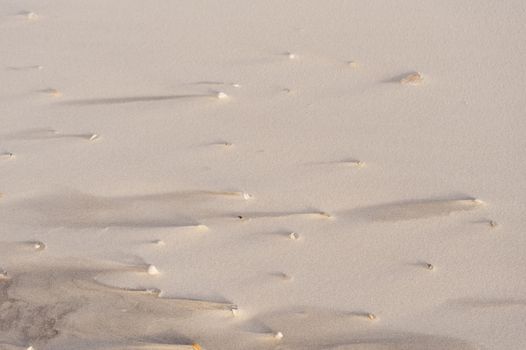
(132, 133)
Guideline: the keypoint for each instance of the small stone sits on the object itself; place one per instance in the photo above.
(284, 276)
(355, 163)
(154, 291)
(39, 245)
(7, 156)
(52, 92)
(412, 79)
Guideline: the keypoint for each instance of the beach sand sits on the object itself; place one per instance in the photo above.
(345, 175)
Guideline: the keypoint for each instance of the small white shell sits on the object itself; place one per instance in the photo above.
(247, 196)
(31, 16)
(278, 335)
(222, 95)
(152, 270)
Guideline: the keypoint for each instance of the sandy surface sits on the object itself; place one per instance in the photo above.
(262, 175)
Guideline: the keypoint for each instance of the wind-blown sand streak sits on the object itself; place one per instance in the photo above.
(416, 209)
(183, 209)
(6, 156)
(486, 303)
(43, 134)
(59, 299)
(135, 99)
(320, 329)
(25, 68)
(283, 214)
(156, 346)
(22, 246)
(181, 195)
(352, 162)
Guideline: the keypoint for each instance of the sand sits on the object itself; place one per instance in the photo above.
(343, 175)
